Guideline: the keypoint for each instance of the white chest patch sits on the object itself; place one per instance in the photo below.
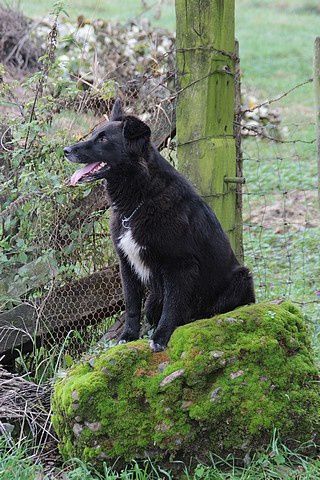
(132, 250)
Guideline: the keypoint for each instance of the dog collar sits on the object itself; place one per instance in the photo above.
(126, 220)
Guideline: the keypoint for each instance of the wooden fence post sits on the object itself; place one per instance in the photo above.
(206, 150)
(316, 82)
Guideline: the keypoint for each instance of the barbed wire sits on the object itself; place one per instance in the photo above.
(280, 97)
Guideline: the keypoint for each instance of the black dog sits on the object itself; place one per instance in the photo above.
(166, 237)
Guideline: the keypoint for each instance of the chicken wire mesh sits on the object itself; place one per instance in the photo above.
(70, 281)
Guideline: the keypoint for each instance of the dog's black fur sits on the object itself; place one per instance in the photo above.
(175, 240)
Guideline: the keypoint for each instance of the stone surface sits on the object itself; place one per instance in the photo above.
(195, 403)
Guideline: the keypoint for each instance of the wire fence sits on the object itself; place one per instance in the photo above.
(281, 211)
(60, 276)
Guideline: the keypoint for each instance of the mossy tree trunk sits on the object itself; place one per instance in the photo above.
(206, 106)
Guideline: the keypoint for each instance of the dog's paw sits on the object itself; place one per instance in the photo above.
(127, 336)
(156, 347)
(160, 338)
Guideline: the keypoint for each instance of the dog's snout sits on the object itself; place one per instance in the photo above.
(67, 150)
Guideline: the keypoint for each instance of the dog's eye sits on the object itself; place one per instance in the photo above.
(102, 138)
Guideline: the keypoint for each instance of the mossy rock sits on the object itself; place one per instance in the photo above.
(223, 385)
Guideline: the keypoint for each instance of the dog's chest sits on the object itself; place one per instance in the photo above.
(133, 250)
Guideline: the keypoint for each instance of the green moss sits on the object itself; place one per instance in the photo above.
(223, 385)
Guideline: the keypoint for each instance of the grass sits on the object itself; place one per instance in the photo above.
(106, 9)
(277, 463)
(276, 47)
(15, 463)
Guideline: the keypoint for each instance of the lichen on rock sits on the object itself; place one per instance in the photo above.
(222, 386)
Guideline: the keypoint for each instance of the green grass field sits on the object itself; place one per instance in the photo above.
(105, 9)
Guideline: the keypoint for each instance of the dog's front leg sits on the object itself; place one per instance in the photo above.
(133, 292)
(176, 308)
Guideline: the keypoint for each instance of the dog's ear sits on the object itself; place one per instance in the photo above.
(134, 128)
(136, 133)
(117, 111)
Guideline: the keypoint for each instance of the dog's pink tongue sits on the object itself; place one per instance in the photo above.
(81, 172)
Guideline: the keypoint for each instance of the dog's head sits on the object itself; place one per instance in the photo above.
(122, 140)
